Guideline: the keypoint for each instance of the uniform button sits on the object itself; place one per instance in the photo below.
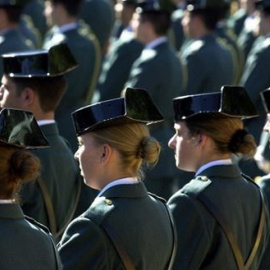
(108, 202)
(204, 178)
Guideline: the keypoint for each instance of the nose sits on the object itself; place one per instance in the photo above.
(171, 142)
(266, 126)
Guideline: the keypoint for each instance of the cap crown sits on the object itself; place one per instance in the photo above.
(232, 101)
(58, 60)
(136, 105)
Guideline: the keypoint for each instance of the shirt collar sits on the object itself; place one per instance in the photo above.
(67, 27)
(122, 181)
(45, 122)
(214, 163)
(156, 42)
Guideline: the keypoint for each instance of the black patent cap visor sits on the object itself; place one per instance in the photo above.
(39, 63)
(232, 101)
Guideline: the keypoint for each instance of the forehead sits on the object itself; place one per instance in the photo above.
(180, 126)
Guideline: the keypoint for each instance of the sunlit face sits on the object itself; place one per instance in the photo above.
(8, 95)
(139, 27)
(184, 147)
(188, 23)
(88, 155)
(49, 13)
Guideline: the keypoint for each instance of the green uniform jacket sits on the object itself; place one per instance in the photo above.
(116, 67)
(140, 222)
(264, 184)
(201, 242)
(60, 174)
(256, 79)
(81, 81)
(12, 41)
(209, 65)
(99, 15)
(24, 245)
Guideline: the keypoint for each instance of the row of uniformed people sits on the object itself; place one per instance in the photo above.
(219, 219)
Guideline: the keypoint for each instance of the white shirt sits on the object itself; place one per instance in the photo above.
(67, 27)
(45, 122)
(156, 42)
(213, 163)
(122, 181)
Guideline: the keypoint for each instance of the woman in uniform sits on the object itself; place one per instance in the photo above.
(25, 244)
(125, 227)
(220, 215)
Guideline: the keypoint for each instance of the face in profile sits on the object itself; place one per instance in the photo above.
(88, 155)
(184, 146)
(9, 98)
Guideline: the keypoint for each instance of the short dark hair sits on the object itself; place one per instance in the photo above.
(160, 20)
(210, 17)
(13, 13)
(50, 90)
(72, 6)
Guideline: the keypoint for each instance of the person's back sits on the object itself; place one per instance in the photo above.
(25, 244)
(58, 167)
(135, 206)
(209, 65)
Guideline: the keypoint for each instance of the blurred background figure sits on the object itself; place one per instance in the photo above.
(160, 71)
(34, 81)
(264, 181)
(124, 223)
(25, 244)
(99, 16)
(11, 38)
(255, 79)
(63, 15)
(210, 63)
(124, 51)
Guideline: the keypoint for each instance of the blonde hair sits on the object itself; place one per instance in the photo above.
(17, 166)
(228, 134)
(134, 143)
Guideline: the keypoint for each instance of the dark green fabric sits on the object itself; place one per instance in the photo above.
(209, 65)
(99, 15)
(116, 68)
(264, 184)
(201, 242)
(23, 244)
(141, 223)
(79, 80)
(60, 174)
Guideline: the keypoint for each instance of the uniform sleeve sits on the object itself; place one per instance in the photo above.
(83, 246)
(193, 234)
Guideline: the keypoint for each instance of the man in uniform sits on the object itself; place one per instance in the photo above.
(34, 81)
(209, 62)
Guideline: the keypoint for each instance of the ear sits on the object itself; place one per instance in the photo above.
(202, 140)
(106, 153)
(28, 97)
